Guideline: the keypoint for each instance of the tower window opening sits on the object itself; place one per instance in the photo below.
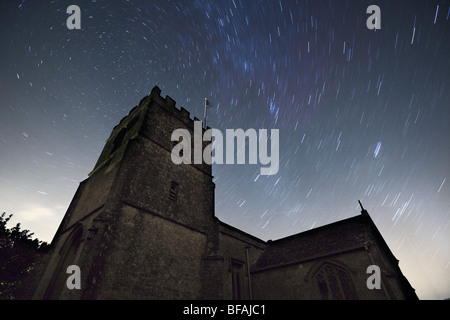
(119, 139)
(173, 194)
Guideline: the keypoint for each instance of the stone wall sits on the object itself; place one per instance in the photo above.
(152, 258)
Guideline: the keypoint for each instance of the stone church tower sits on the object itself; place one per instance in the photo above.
(141, 227)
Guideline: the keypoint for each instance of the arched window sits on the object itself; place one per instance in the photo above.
(334, 283)
(66, 256)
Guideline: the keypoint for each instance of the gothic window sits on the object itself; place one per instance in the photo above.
(334, 283)
(173, 194)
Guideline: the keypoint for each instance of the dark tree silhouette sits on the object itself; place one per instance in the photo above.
(19, 254)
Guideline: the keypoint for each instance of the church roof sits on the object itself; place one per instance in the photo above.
(340, 236)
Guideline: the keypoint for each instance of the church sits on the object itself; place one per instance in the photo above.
(143, 228)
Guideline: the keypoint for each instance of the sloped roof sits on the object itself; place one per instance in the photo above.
(332, 238)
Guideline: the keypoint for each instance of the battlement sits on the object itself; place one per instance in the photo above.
(167, 103)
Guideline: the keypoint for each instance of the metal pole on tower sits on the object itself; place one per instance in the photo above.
(204, 116)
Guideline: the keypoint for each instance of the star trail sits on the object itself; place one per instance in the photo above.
(362, 114)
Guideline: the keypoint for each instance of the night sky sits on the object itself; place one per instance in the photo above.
(363, 114)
